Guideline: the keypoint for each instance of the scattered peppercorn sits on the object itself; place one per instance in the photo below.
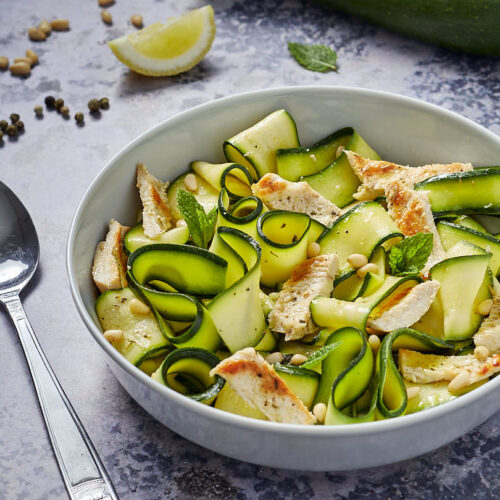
(50, 102)
(3, 125)
(79, 118)
(20, 126)
(59, 104)
(64, 111)
(14, 117)
(104, 103)
(94, 105)
(11, 130)
(38, 110)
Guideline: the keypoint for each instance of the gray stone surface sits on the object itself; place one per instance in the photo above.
(51, 165)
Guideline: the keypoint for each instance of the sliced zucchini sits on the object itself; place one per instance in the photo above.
(142, 337)
(470, 223)
(334, 313)
(268, 343)
(282, 236)
(476, 192)
(463, 283)
(187, 371)
(206, 195)
(297, 162)
(428, 396)
(235, 178)
(136, 238)
(255, 148)
(337, 182)
(301, 381)
(451, 234)
(229, 400)
(237, 312)
(361, 230)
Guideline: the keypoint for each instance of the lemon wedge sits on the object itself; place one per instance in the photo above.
(170, 48)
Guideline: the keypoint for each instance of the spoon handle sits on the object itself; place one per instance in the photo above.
(81, 468)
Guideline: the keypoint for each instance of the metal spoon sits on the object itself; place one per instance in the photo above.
(81, 468)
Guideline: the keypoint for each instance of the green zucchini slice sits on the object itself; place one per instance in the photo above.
(229, 400)
(255, 148)
(476, 192)
(282, 236)
(333, 313)
(235, 178)
(187, 371)
(361, 230)
(237, 311)
(464, 282)
(451, 234)
(347, 371)
(392, 399)
(205, 194)
(301, 381)
(337, 182)
(136, 238)
(142, 337)
(470, 223)
(297, 162)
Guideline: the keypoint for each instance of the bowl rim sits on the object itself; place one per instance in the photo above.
(226, 418)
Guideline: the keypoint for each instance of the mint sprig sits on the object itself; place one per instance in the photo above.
(410, 255)
(200, 224)
(318, 58)
(319, 355)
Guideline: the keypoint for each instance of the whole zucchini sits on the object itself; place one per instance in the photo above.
(470, 26)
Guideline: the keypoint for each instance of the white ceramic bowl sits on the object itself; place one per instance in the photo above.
(400, 129)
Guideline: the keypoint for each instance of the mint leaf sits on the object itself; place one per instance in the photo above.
(410, 255)
(200, 224)
(319, 355)
(318, 58)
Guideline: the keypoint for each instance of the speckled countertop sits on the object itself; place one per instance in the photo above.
(51, 165)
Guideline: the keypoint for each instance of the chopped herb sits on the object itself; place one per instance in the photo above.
(200, 224)
(319, 355)
(410, 255)
(318, 58)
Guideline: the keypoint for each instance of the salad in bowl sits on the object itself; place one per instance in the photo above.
(312, 285)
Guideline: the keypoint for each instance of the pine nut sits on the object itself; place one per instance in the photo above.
(374, 342)
(106, 17)
(59, 24)
(22, 60)
(484, 307)
(191, 183)
(411, 392)
(105, 3)
(20, 69)
(38, 110)
(45, 27)
(274, 357)
(481, 352)
(37, 35)
(313, 249)
(298, 359)
(339, 151)
(113, 335)
(368, 268)
(4, 63)
(319, 411)
(181, 223)
(357, 260)
(459, 382)
(136, 20)
(32, 56)
(136, 306)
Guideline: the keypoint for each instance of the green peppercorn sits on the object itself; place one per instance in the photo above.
(64, 111)
(59, 104)
(3, 125)
(79, 118)
(11, 130)
(20, 126)
(14, 117)
(94, 105)
(104, 103)
(50, 102)
(38, 111)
